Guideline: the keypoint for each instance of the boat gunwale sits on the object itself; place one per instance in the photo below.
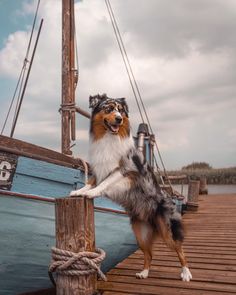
(25, 149)
(4, 193)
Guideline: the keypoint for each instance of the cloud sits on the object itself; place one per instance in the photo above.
(170, 29)
(183, 57)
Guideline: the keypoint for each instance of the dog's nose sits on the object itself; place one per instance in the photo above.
(118, 119)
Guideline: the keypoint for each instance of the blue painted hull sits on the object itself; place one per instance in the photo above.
(36, 177)
(27, 234)
(27, 230)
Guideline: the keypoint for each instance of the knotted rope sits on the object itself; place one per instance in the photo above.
(83, 263)
(70, 106)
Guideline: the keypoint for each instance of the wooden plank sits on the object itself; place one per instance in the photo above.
(199, 275)
(137, 288)
(8, 164)
(210, 247)
(46, 179)
(36, 186)
(206, 249)
(199, 265)
(49, 171)
(230, 259)
(163, 268)
(174, 283)
(19, 147)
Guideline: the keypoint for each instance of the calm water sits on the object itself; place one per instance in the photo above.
(212, 189)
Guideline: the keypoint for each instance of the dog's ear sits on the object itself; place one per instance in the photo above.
(123, 102)
(95, 100)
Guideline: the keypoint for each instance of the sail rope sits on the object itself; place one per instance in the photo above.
(21, 78)
(13, 98)
(134, 85)
(123, 54)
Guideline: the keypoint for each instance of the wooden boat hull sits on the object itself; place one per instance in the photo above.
(27, 235)
(29, 183)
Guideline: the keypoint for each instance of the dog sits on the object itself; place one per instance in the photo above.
(120, 172)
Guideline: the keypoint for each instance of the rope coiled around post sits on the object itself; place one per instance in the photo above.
(83, 263)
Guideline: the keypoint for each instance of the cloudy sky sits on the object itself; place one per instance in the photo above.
(183, 54)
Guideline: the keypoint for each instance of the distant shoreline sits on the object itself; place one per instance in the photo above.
(214, 176)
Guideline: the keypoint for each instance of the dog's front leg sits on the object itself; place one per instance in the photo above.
(91, 183)
(104, 185)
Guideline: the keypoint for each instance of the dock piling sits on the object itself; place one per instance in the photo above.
(203, 186)
(193, 193)
(75, 232)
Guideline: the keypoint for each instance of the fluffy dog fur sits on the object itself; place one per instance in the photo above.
(121, 174)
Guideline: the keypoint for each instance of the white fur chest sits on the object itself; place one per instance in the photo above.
(106, 153)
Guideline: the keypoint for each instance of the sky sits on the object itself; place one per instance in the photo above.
(183, 55)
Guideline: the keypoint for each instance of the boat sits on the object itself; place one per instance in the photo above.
(32, 177)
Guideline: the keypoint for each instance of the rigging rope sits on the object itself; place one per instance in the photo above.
(21, 78)
(19, 92)
(133, 82)
(12, 101)
(123, 52)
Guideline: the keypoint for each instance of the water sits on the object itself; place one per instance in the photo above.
(212, 189)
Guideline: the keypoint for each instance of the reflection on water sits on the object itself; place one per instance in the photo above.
(212, 189)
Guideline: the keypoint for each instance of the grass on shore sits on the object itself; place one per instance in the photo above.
(214, 176)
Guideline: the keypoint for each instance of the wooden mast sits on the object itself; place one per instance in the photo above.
(68, 77)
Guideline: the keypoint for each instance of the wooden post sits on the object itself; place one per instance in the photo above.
(75, 232)
(203, 186)
(193, 192)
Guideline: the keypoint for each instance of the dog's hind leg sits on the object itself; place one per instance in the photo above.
(144, 235)
(185, 274)
(173, 236)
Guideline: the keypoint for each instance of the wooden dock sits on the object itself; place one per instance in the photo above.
(210, 248)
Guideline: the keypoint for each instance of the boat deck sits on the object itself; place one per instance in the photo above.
(210, 247)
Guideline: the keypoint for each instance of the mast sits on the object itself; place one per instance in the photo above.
(68, 77)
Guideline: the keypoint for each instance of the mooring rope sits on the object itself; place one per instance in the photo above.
(83, 263)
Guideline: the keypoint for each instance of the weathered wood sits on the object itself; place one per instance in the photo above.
(19, 147)
(210, 248)
(177, 177)
(173, 283)
(27, 197)
(193, 192)
(82, 112)
(8, 164)
(203, 186)
(75, 232)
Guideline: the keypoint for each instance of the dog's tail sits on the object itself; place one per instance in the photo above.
(169, 223)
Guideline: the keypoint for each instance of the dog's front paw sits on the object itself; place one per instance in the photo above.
(143, 274)
(73, 193)
(186, 274)
(76, 193)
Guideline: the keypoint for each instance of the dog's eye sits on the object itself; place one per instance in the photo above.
(109, 109)
(120, 109)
